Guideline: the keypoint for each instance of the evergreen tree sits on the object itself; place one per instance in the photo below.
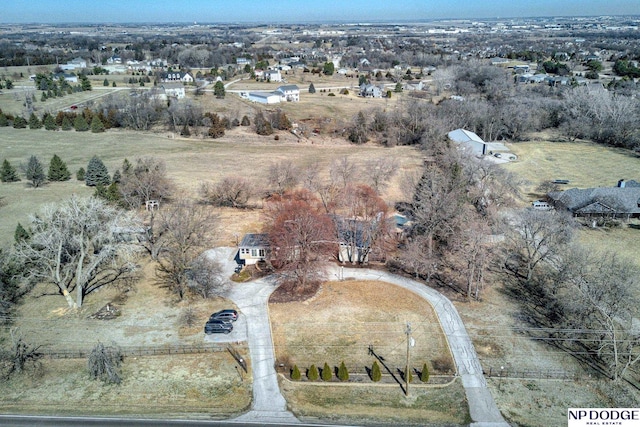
(8, 173)
(218, 90)
(58, 170)
(19, 122)
(3, 120)
(20, 234)
(80, 174)
(295, 373)
(113, 84)
(66, 124)
(85, 83)
(117, 177)
(312, 88)
(262, 125)
(96, 124)
(245, 121)
(43, 97)
(398, 87)
(424, 375)
(105, 82)
(113, 193)
(313, 374)
(343, 373)
(80, 124)
(126, 167)
(97, 173)
(34, 172)
(50, 122)
(326, 372)
(34, 122)
(376, 375)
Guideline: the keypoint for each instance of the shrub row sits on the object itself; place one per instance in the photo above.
(326, 374)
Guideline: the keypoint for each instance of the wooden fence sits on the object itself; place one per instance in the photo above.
(137, 351)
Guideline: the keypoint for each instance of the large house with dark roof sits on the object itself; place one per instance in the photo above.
(622, 201)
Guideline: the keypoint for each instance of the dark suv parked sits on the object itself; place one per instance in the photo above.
(217, 327)
(229, 315)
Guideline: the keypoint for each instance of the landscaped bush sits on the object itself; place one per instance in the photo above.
(424, 375)
(295, 373)
(326, 372)
(376, 375)
(313, 373)
(343, 373)
(442, 364)
(80, 174)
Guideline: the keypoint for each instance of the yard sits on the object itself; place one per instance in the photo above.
(341, 322)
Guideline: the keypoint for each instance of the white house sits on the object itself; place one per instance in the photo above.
(273, 75)
(253, 248)
(174, 90)
(176, 76)
(290, 93)
(370, 91)
(469, 140)
(264, 97)
(74, 64)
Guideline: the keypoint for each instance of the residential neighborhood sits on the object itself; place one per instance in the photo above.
(390, 220)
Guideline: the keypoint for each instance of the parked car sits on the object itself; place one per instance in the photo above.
(228, 315)
(217, 327)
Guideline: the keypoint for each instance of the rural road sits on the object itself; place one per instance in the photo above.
(268, 403)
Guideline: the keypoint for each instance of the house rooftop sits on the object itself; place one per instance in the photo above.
(463, 135)
(255, 240)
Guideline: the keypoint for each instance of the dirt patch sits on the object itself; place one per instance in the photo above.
(290, 292)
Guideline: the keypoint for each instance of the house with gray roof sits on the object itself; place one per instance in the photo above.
(254, 247)
(469, 140)
(611, 202)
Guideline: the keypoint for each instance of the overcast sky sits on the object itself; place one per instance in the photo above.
(297, 11)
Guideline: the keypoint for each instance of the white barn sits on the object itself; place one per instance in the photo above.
(264, 97)
(469, 140)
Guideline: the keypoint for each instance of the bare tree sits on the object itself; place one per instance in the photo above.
(205, 277)
(379, 171)
(78, 246)
(21, 353)
(146, 180)
(185, 230)
(343, 171)
(327, 190)
(303, 236)
(537, 236)
(231, 191)
(283, 176)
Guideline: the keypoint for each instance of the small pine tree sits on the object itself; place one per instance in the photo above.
(20, 234)
(245, 121)
(50, 123)
(295, 373)
(80, 124)
(117, 177)
(66, 124)
(34, 122)
(19, 122)
(424, 375)
(126, 167)
(80, 174)
(43, 97)
(97, 173)
(58, 170)
(376, 375)
(4, 122)
(313, 373)
(343, 373)
(105, 82)
(113, 84)
(8, 173)
(100, 192)
(326, 372)
(96, 124)
(34, 172)
(312, 88)
(113, 193)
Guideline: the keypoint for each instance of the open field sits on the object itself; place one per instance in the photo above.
(340, 322)
(189, 162)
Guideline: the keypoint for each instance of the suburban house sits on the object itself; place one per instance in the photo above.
(176, 76)
(174, 90)
(71, 78)
(354, 241)
(74, 64)
(290, 93)
(272, 75)
(413, 85)
(622, 201)
(254, 247)
(469, 140)
(370, 91)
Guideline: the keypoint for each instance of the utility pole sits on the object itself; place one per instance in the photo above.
(409, 345)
